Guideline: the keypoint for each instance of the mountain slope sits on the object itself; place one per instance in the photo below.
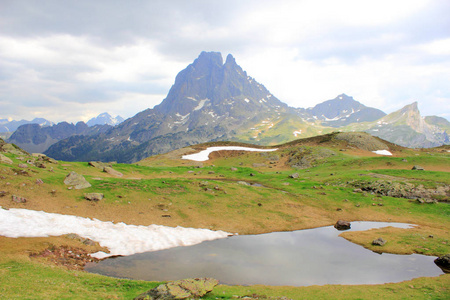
(343, 110)
(209, 100)
(34, 138)
(212, 100)
(405, 127)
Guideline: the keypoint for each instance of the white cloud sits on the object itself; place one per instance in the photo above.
(96, 56)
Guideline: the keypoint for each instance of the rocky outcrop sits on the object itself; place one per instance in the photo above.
(112, 172)
(404, 190)
(77, 181)
(180, 289)
(5, 160)
(443, 262)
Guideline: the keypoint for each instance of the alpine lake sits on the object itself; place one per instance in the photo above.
(299, 258)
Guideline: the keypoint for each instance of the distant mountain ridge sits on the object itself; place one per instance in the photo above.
(343, 110)
(11, 126)
(34, 138)
(212, 100)
(105, 119)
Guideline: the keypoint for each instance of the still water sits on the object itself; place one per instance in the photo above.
(299, 258)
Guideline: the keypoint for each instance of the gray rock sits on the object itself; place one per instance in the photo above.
(379, 242)
(24, 166)
(342, 225)
(76, 180)
(233, 169)
(243, 183)
(5, 160)
(93, 196)
(259, 165)
(99, 165)
(180, 289)
(295, 175)
(418, 168)
(111, 171)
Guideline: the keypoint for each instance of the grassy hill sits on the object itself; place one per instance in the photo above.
(339, 177)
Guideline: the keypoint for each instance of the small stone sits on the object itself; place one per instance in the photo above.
(93, 196)
(39, 181)
(295, 175)
(234, 169)
(18, 199)
(338, 209)
(379, 242)
(24, 166)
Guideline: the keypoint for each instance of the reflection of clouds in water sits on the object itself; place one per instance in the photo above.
(306, 257)
(120, 238)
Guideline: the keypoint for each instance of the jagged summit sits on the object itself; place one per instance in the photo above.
(216, 88)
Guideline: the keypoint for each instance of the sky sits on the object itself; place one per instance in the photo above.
(72, 60)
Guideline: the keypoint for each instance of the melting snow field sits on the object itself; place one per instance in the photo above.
(382, 152)
(204, 155)
(120, 238)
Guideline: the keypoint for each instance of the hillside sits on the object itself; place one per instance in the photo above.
(306, 183)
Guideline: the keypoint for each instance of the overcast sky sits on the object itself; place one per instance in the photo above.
(72, 60)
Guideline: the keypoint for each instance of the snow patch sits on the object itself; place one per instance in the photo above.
(204, 155)
(120, 238)
(297, 133)
(382, 152)
(201, 104)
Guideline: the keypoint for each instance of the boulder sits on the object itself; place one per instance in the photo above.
(443, 262)
(418, 168)
(379, 242)
(99, 165)
(295, 175)
(342, 225)
(180, 289)
(93, 196)
(5, 160)
(76, 180)
(112, 172)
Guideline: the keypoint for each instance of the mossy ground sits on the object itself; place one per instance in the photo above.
(211, 196)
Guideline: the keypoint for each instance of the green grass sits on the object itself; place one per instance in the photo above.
(190, 196)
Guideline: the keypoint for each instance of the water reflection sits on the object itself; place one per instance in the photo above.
(300, 258)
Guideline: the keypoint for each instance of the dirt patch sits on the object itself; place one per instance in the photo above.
(72, 258)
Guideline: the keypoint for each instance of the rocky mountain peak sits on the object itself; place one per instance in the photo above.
(215, 88)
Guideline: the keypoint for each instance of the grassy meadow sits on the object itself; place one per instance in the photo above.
(238, 192)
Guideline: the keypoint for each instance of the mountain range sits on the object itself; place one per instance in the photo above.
(213, 100)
